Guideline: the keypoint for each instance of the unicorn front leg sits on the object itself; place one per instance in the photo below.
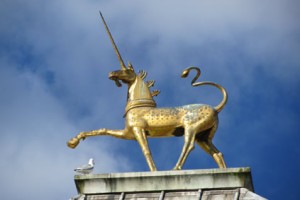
(72, 143)
(140, 136)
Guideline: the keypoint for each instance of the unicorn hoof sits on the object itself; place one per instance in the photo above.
(73, 143)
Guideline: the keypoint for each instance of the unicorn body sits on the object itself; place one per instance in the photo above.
(196, 122)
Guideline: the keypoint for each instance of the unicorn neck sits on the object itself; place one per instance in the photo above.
(139, 95)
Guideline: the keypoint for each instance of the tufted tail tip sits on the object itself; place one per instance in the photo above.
(185, 73)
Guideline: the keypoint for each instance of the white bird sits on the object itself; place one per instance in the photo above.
(86, 169)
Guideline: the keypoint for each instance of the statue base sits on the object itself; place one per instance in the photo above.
(232, 183)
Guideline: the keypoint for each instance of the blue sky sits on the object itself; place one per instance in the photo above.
(55, 58)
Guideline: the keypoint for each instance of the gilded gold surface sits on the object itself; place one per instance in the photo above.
(196, 123)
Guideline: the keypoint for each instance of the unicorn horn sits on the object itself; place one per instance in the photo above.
(123, 66)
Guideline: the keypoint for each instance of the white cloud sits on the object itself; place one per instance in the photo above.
(35, 160)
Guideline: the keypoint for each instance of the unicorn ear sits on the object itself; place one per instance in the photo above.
(130, 66)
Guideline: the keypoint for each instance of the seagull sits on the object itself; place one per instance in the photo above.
(86, 169)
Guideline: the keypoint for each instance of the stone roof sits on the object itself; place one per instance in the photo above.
(212, 184)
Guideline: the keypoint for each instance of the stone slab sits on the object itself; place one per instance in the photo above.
(164, 180)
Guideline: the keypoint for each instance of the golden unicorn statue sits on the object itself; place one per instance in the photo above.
(196, 122)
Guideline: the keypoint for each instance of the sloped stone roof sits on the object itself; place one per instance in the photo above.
(229, 194)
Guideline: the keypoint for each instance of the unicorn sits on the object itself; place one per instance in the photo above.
(196, 123)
